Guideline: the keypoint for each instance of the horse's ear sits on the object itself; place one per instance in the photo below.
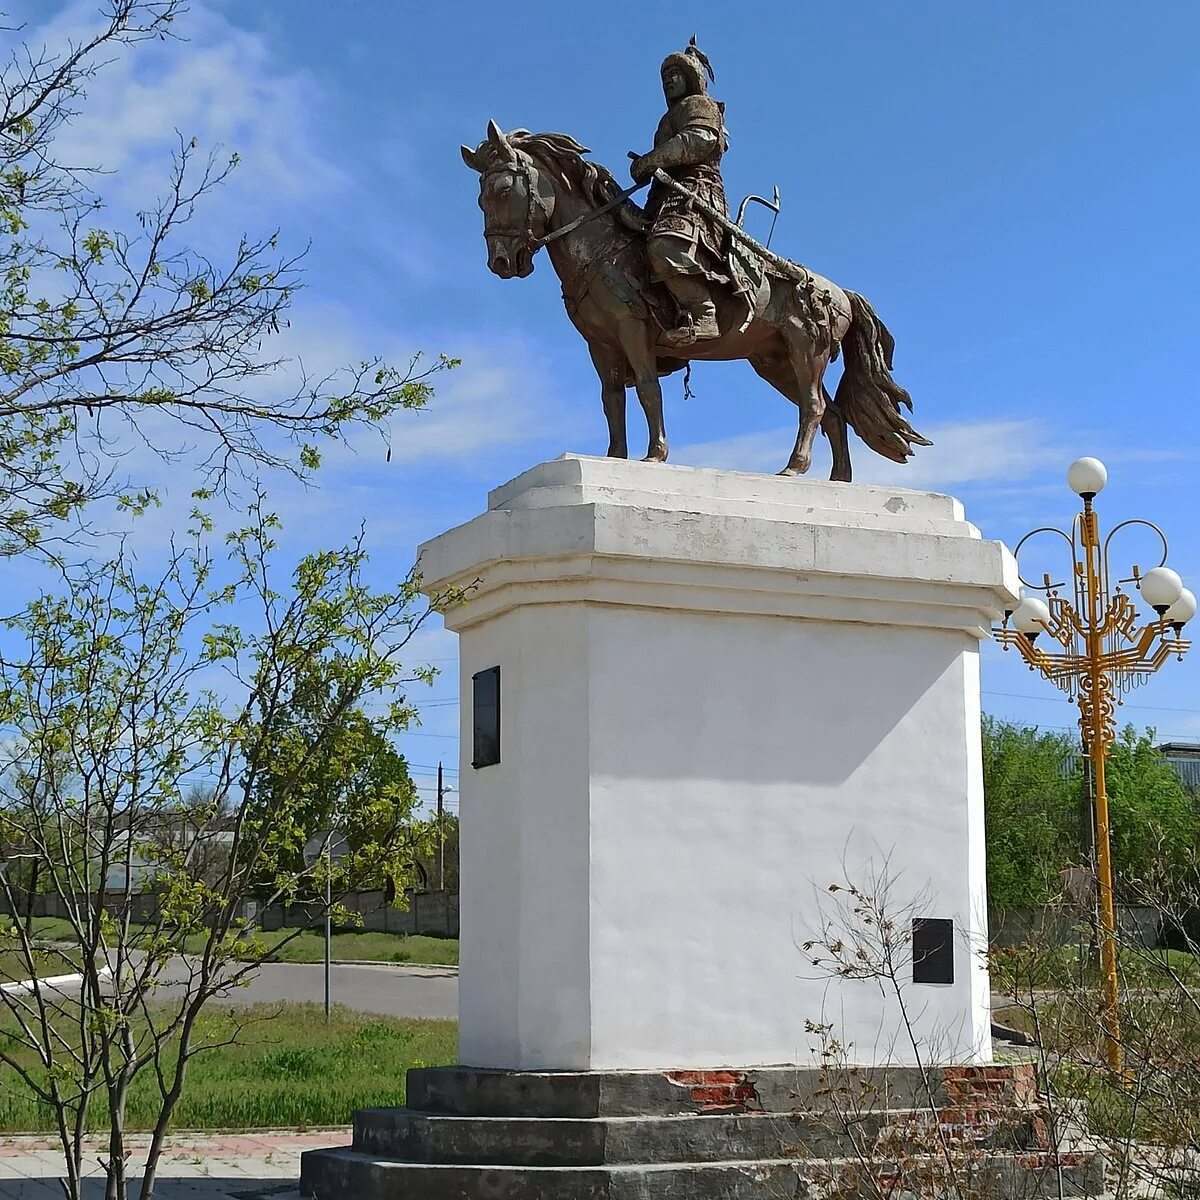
(496, 134)
(469, 157)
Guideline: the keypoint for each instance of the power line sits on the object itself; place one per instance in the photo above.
(1066, 700)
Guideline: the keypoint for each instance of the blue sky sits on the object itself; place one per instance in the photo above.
(1012, 185)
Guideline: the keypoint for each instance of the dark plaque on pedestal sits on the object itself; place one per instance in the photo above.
(485, 709)
(933, 950)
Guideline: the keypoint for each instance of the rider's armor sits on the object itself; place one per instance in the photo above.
(686, 247)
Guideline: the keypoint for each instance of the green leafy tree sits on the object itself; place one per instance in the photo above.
(353, 768)
(105, 322)
(126, 693)
(1038, 817)
(1155, 819)
(1033, 812)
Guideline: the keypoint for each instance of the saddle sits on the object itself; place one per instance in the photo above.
(740, 275)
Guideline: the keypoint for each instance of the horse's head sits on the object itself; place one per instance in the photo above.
(516, 200)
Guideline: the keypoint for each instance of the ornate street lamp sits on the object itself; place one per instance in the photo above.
(1097, 653)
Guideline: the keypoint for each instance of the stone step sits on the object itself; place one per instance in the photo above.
(474, 1092)
(566, 1141)
(336, 1174)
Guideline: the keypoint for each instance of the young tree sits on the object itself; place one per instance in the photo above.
(103, 326)
(193, 730)
(126, 695)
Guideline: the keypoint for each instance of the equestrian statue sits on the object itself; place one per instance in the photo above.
(654, 288)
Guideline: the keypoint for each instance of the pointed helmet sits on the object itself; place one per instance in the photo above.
(693, 64)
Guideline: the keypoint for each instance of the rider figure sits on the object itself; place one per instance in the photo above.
(686, 247)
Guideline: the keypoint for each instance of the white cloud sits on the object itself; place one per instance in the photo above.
(1002, 452)
(964, 453)
(215, 82)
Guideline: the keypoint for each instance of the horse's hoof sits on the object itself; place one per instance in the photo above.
(797, 466)
(618, 452)
(656, 454)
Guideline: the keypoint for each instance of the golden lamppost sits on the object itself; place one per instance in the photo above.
(1099, 652)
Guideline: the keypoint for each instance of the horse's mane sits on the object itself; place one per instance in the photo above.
(562, 154)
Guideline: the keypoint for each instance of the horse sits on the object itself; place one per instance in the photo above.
(537, 189)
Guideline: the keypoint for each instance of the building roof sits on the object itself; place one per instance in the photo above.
(1180, 749)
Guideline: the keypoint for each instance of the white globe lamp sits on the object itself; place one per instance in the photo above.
(1087, 477)
(1161, 587)
(1183, 610)
(1032, 616)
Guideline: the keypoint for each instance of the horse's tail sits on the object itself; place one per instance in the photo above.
(868, 397)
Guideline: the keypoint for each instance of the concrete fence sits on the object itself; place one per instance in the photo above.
(427, 912)
(1056, 927)
(437, 913)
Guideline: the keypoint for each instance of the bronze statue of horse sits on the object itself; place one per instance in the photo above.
(532, 185)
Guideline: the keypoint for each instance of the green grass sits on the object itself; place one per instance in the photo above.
(1160, 1030)
(308, 946)
(290, 1068)
(13, 965)
(1060, 967)
(53, 929)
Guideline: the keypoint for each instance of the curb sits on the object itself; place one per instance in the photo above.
(383, 963)
(366, 962)
(133, 1137)
(55, 983)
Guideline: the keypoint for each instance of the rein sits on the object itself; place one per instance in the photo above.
(619, 198)
(530, 237)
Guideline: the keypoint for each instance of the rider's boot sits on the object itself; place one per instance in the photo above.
(697, 310)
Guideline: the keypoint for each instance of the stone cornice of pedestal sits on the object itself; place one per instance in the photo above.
(608, 531)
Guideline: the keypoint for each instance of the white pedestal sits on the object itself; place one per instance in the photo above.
(721, 693)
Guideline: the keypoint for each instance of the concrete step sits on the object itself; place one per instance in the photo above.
(474, 1092)
(566, 1141)
(336, 1174)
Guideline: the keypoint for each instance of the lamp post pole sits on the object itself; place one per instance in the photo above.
(1100, 655)
(328, 925)
(326, 848)
(1096, 726)
(441, 793)
(443, 789)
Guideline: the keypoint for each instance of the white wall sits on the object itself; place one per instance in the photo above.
(740, 766)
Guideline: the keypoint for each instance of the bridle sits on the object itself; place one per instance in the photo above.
(524, 162)
(535, 205)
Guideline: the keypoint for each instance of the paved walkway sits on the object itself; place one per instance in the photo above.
(217, 1166)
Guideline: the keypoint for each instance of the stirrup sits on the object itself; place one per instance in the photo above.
(689, 332)
(682, 335)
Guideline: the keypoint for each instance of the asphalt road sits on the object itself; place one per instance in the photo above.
(393, 991)
(396, 990)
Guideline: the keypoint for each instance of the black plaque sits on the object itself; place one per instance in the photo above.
(933, 950)
(486, 709)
